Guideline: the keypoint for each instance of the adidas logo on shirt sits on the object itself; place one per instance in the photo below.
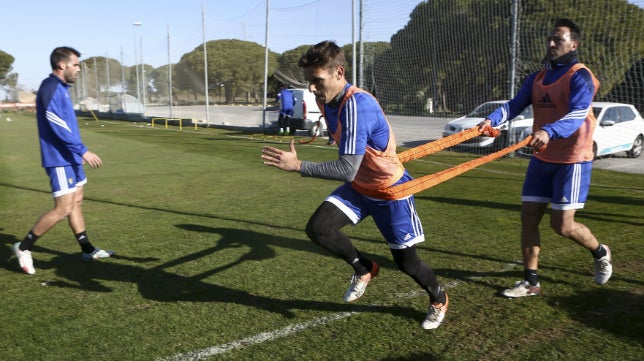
(545, 102)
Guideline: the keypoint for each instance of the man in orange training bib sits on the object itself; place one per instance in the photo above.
(367, 160)
(561, 96)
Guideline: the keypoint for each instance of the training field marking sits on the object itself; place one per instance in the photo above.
(260, 338)
(286, 331)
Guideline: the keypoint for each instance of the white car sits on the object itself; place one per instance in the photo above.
(620, 128)
(478, 115)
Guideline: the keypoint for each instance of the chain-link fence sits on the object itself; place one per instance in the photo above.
(446, 57)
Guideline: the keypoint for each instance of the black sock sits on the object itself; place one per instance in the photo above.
(359, 267)
(28, 242)
(366, 263)
(531, 276)
(599, 252)
(437, 296)
(83, 241)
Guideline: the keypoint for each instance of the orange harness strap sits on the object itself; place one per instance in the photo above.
(445, 142)
(419, 184)
(318, 124)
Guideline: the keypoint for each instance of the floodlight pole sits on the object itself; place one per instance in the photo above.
(169, 75)
(513, 65)
(122, 73)
(353, 42)
(98, 94)
(143, 87)
(205, 61)
(361, 40)
(83, 72)
(107, 74)
(514, 46)
(136, 62)
(265, 68)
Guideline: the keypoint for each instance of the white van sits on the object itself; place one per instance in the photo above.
(306, 113)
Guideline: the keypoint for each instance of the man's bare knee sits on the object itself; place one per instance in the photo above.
(563, 228)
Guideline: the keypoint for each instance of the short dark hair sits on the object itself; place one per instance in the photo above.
(575, 30)
(62, 53)
(325, 54)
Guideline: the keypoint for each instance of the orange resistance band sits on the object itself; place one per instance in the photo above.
(419, 184)
(318, 124)
(446, 142)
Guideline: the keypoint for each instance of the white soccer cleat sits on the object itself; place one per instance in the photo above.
(603, 267)
(24, 259)
(98, 253)
(435, 315)
(522, 289)
(358, 286)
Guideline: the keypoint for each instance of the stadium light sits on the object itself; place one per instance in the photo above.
(136, 61)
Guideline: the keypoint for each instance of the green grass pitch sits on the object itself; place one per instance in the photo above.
(212, 261)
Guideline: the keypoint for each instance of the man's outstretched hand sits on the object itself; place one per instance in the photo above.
(285, 160)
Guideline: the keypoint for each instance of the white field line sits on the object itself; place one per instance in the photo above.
(292, 329)
(259, 338)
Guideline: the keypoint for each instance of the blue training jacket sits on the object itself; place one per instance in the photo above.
(60, 141)
(287, 98)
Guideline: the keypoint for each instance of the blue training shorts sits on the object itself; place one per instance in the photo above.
(64, 180)
(397, 220)
(564, 186)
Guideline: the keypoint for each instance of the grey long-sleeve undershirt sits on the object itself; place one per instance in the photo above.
(343, 169)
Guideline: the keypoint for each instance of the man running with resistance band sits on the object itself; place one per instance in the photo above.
(367, 160)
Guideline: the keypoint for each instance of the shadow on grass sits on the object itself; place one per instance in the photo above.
(158, 284)
(605, 217)
(472, 276)
(625, 201)
(415, 357)
(6, 253)
(615, 311)
(156, 209)
(473, 203)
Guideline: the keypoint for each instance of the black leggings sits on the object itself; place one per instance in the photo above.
(324, 227)
(283, 121)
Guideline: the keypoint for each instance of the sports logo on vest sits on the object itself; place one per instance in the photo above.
(545, 102)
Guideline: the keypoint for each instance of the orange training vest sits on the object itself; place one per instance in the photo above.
(378, 169)
(550, 103)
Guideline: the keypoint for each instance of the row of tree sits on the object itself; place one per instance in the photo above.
(8, 80)
(458, 52)
(452, 53)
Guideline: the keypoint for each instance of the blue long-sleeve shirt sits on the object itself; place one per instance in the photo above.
(287, 100)
(582, 91)
(60, 141)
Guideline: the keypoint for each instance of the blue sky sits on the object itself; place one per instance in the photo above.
(31, 29)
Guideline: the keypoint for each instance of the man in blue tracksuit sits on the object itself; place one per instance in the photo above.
(287, 101)
(63, 155)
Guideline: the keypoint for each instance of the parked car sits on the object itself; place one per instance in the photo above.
(479, 114)
(306, 113)
(620, 128)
